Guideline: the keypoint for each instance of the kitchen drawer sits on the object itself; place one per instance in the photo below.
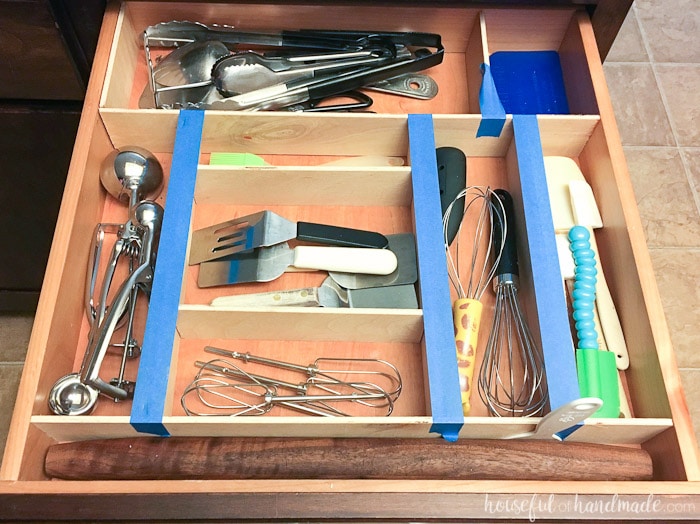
(390, 199)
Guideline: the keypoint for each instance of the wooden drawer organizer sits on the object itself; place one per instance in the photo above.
(390, 199)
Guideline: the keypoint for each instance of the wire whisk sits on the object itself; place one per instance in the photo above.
(512, 378)
(222, 388)
(481, 210)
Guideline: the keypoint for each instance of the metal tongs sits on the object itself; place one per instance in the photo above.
(369, 57)
(177, 33)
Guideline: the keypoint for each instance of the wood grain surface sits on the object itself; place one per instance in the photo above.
(180, 458)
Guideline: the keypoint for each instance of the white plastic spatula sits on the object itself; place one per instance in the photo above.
(572, 202)
(586, 213)
(583, 204)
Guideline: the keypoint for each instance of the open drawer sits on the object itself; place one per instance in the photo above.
(299, 183)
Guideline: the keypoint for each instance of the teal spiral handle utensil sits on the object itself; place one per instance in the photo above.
(584, 287)
(597, 370)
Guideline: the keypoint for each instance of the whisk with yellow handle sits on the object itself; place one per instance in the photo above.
(471, 281)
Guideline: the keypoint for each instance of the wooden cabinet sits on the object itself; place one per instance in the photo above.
(34, 53)
(46, 49)
(391, 199)
(36, 155)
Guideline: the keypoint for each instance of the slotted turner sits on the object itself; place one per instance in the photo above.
(266, 228)
(268, 263)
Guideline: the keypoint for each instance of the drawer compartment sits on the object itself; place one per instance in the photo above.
(308, 333)
(469, 38)
(397, 193)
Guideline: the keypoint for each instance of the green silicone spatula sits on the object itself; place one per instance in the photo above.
(597, 371)
(572, 202)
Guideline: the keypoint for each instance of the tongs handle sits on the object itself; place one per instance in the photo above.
(309, 40)
(355, 80)
(357, 100)
(405, 38)
(175, 33)
(295, 92)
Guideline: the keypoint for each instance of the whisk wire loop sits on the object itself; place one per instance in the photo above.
(324, 371)
(512, 379)
(321, 394)
(485, 213)
(479, 278)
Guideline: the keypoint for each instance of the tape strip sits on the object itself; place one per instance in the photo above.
(441, 355)
(493, 115)
(154, 368)
(550, 302)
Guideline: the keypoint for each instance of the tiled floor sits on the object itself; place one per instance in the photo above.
(653, 72)
(654, 75)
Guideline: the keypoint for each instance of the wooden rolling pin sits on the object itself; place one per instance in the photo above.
(182, 458)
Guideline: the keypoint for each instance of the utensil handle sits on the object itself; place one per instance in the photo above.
(452, 179)
(346, 259)
(504, 217)
(283, 39)
(597, 369)
(609, 319)
(304, 297)
(361, 77)
(586, 213)
(467, 320)
(176, 458)
(340, 236)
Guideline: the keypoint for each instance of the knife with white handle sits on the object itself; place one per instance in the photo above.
(302, 297)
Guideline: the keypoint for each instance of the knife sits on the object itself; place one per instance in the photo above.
(328, 294)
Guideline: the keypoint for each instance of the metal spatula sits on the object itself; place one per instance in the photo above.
(404, 245)
(266, 228)
(268, 263)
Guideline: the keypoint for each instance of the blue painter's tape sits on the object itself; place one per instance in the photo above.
(250, 239)
(493, 115)
(530, 82)
(550, 302)
(233, 269)
(154, 367)
(564, 434)
(441, 354)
